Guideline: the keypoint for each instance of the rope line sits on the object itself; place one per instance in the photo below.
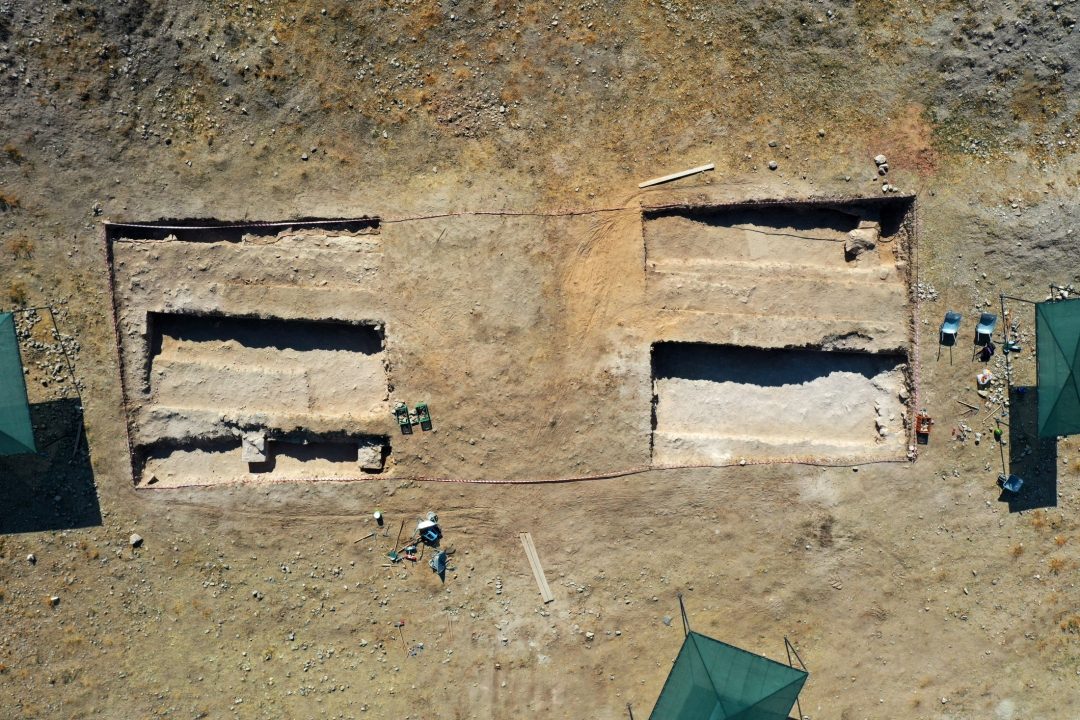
(637, 470)
(509, 213)
(644, 209)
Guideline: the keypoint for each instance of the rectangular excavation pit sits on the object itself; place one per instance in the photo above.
(782, 273)
(211, 461)
(718, 404)
(265, 365)
(248, 344)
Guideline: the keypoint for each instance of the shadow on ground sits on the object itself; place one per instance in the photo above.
(766, 368)
(1031, 457)
(54, 489)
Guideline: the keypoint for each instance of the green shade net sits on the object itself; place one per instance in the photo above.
(712, 680)
(16, 432)
(1057, 340)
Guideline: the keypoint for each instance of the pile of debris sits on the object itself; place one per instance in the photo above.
(48, 358)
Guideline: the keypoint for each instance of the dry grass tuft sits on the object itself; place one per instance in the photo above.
(17, 293)
(1018, 550)
(1056, 565)
(20, 246)
(8, 202)
(89, 552)
(1038, 520)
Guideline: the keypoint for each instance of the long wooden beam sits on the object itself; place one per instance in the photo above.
(538, 570)
(676, 176)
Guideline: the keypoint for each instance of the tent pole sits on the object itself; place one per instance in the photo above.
(630, 711)
(67, 358)
(789, 648)
(67, 362)
(74, 381)
(1005, 348)
(1008, 378)
(685, 620)
(1001, 448)
(1019, 299)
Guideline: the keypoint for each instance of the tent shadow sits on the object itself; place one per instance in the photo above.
(53, 489)
(1031, 457)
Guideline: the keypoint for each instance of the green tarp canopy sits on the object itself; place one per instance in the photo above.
(16, 432)
(712, 680)
(1057, 341)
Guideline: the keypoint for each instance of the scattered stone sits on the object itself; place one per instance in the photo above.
(880, 160)
(667, 620)
(821, 133)
(882, 169)
(773, 165)
(54, 600)
(589, 636)
(31, 558)
(304, 156)
(926, 291)
(135, 540)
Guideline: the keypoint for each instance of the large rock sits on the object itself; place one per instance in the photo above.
(862, 239)
(254, 447)
(370, 457)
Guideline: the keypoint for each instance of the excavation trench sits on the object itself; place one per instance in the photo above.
(717, 404)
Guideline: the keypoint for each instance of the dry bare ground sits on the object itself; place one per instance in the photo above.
(909, 588)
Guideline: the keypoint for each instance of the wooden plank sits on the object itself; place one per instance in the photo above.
(676, 176)
(538, 570)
